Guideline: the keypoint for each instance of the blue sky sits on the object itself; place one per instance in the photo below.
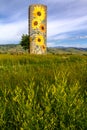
(66, 21)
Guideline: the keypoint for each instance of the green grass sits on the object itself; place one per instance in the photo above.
(43, 92)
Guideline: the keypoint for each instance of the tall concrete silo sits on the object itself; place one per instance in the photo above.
(37, 28)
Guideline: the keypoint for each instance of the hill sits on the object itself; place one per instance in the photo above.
(16, 48)
(67, 50)
(11, 48)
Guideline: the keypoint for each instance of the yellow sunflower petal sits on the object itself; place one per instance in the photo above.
(39, 40)
(39, 12)
(43, 47)
(42, 28)
(35, 23)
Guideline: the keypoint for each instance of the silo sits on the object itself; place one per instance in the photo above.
(37, 28)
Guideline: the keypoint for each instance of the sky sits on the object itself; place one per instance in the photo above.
(66, 21)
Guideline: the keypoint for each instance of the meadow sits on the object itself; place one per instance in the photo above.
(43, 92)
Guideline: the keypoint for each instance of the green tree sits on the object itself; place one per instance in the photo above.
(25, 43)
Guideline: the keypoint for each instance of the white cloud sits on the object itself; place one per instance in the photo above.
(64, 16)
(83, 37)
(12, 32)
(61, 37)
(66, 25)
(53, 44)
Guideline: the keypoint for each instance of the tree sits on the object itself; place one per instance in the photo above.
(25, 43)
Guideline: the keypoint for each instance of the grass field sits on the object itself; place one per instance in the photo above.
(43, 92)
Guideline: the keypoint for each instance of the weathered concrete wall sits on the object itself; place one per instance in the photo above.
(38, 28)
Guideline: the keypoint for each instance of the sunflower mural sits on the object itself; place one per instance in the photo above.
(37, 28)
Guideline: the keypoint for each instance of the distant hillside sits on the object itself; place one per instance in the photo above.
(16, 48)
(67, 50)
(11, 48)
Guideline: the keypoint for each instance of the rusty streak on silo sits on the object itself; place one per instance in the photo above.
(37, 28)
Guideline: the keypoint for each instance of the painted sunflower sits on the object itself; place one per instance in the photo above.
(43, 47)
(35, 23)
(39, 40)
(39, 12)
(42, 28)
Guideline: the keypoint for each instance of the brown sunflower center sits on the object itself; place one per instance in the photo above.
(43, 47)
(39, 40)
(42, 27)
(35, 23)
(39, 13)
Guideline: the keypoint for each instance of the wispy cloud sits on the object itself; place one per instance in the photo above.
(12, 32)
(66, 25)
(67, 21)
(65, 44)
(83, 37)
